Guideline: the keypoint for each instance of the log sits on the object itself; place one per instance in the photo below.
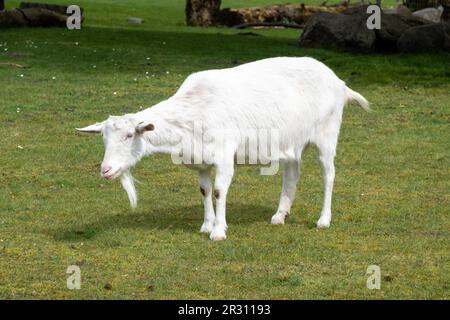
(270, 24)
(208, 13)
(289, 14)
(58, 8)
(38, 17)
(12, 18)
(35, 17)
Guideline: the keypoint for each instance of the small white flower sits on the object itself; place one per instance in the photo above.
(54, 78)
(76, 43)
(114, 93)
(94, 66)
(148, 58)
(167, 72)
(20, 147)
(21, 75)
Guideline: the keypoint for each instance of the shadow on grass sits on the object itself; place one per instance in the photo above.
(186, 218)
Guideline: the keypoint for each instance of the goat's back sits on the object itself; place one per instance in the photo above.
(292, 95)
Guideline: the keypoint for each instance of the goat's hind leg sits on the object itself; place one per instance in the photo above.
(327, 151)
(291, 174)
(327, 162)
(206, 191)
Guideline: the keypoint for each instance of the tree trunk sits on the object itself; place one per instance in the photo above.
(201, 12)
(2, 5)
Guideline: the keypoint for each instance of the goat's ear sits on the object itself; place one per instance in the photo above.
(145, 126)
(93, 128)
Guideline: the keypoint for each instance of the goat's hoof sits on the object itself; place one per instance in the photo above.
(278, 218)
(323, 223)
(217, 234)
(206, 227)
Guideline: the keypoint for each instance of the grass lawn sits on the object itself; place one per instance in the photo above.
(391, 200)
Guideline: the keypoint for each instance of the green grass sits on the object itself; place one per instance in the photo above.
(391, 199)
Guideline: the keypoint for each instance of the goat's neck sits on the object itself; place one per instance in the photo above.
(156, 143)
(165, 138)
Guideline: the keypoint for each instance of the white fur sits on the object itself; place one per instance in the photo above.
(301, 98)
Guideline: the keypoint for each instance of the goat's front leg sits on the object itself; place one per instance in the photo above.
(206, 191)
(224, 175)
(290, 177)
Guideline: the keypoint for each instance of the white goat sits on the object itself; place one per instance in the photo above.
(300, 98)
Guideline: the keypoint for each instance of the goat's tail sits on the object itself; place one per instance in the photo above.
(355, 96)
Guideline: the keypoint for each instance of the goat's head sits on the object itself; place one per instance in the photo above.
(122, 137)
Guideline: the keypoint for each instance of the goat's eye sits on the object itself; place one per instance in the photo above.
(129, 135)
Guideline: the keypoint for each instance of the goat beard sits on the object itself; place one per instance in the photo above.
(127, 181)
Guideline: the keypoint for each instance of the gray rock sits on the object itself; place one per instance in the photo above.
(135, 20)
(349, 31)
(392, 27)
(431, 37)
(430, 14)
(344, 31)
